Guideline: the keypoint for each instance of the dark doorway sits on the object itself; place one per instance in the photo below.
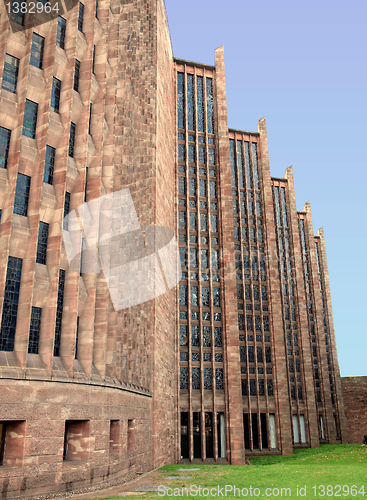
(184, 434)
(246, 430)
(196, 434)
(255, 431)
(209, 435)
(264, 431)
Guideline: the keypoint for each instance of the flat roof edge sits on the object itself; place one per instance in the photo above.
(192, 63)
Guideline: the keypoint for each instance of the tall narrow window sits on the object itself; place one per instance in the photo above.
(96, 13)
(180, 100)
(94, 59)
(61, 31)
(38, 44)
(34, 330)
(55, 95)
(76, 337)
(81, 17)
(85, 184)
(209, 103)
(72, 140)
(76, 75)
(22, 195)
(10, 307)
(10, 74)
(4, 146)
(90, 117)
(42, 243)
(59, 309)
(48, 173)
(30, 119)
(65, 223)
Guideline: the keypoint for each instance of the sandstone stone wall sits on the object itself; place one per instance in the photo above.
(355, 407)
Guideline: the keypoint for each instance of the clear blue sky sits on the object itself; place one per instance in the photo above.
(303, 66)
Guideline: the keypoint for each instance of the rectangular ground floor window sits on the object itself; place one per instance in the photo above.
(115, 433)
(76, 440)
(203, 435)
(12, 435)
(259, 431)
(299, 429)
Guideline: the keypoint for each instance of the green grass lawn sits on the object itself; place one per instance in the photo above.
(336, 466)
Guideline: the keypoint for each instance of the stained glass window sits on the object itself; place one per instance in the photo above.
(196, 378)
(10, 305)
(233, 163)
(184, 378)
(249, 326)
(218, 336)
(240, 322)
(190, 102)
(211, 153)
(257, 323)
(218, 357)
(248, 166)
(215, 259)
(194, 295)
(204, 259)
(205, 296)
(277, 206)
(203, 223)
(216, 297)
(192, 186)
(181, 152)
(4, 146)
(255, 166)
(201, 155)
(191, 153)
(181, 220)
(183, 295)
(180, 99)
(219, 378)
(241, 181)
(202, 186)
(200, 102)
(208, 378)
(193, 226)
(195, 336)
(214, 222)
(206, 336)
(261, 382)
(181, 185)
(209, 104)
(183, 335)
(284, 208)
(213, 189)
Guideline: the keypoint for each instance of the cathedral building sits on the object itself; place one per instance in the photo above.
(238, 359)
